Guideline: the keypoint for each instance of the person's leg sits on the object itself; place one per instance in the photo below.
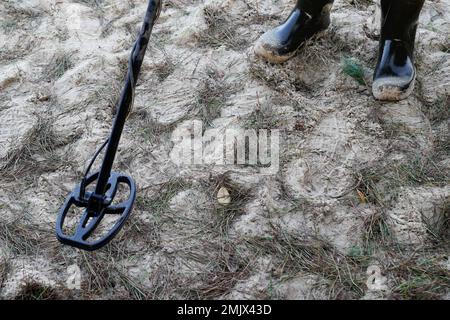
(308, 17)
(395, 72)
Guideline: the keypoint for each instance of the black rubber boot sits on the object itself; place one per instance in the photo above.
(281, 43)
(395, 73)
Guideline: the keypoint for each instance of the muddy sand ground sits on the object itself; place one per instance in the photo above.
(358, 209)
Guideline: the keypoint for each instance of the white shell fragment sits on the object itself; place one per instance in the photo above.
(223, 196)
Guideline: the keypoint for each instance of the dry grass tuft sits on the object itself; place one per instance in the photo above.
(104, 276)
(21, 22)
(212, 94)
(221, 31)
(376, 232)
(165, 69)
(381, 183)
(147, 233)
(445, 234)
(17, 17)
(323, 48)
(254, 16)
(264, 117)
(57, 67)
(36, 154)
(32, 290)
(294, 254)
(419, 275)
(4, 271)
(278, 79)
(23, 237)
(147, 128)
(91, 3)
(158, 204)
(224, 215)
(438, 111)
(229, 267)
(178, 4)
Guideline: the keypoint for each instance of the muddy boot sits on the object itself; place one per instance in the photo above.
(395, 72)
(281, 43)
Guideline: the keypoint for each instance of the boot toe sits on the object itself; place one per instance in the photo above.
(268, 47)
(392, 88)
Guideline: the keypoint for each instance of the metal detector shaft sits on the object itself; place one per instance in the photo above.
(127, 94)
(96, 205)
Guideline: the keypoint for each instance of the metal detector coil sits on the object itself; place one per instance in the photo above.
(96, 205)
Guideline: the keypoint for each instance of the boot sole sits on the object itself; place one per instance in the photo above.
(271, 56)
(387, 90)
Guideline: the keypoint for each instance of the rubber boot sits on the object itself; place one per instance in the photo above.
(395, 73)
(281, 43)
